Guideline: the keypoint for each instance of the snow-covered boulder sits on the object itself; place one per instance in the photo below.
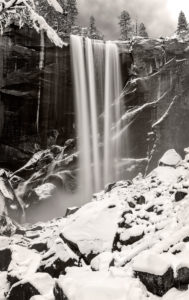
(24, 263)
(58, 258)
(91, 230)
(171, 158)
(83, 284)
(35, 284)
(152, 263)
(155, 272)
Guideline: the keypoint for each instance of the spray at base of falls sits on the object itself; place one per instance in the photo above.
(97, 82)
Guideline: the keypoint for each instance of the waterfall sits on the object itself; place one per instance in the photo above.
(93, 113)
(41, 66)
(97, 83)
(111, 113)
(82, 115)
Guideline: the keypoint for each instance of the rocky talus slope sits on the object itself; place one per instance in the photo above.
(130, 242)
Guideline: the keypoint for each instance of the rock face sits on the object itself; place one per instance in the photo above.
(158, 92)
(37, 106)
(32, 96)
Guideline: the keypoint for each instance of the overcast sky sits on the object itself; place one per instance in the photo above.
(159, 16)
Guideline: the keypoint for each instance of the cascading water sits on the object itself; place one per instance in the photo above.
(111, 113)
(97, 81)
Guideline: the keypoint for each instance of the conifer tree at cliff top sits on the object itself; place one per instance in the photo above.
(182, 23)
(125, 26)
(142, 31)
(93, 32)
(72, 12)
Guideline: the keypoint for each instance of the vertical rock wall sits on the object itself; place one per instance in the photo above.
(157, 93)
(27, 90)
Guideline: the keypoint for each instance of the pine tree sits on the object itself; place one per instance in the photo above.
(125, 25)
(92, 26)
(32, 13)
(55, 19)
(142, 31)
(182, 23)
(93, 32)
(72, 12)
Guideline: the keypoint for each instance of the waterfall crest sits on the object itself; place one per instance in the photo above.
(97, 83)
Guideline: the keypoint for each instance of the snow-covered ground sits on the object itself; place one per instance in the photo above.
(130, 242)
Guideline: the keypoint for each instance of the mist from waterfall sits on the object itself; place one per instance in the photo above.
(97, 83)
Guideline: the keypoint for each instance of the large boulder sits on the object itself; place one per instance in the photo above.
(91, 230)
